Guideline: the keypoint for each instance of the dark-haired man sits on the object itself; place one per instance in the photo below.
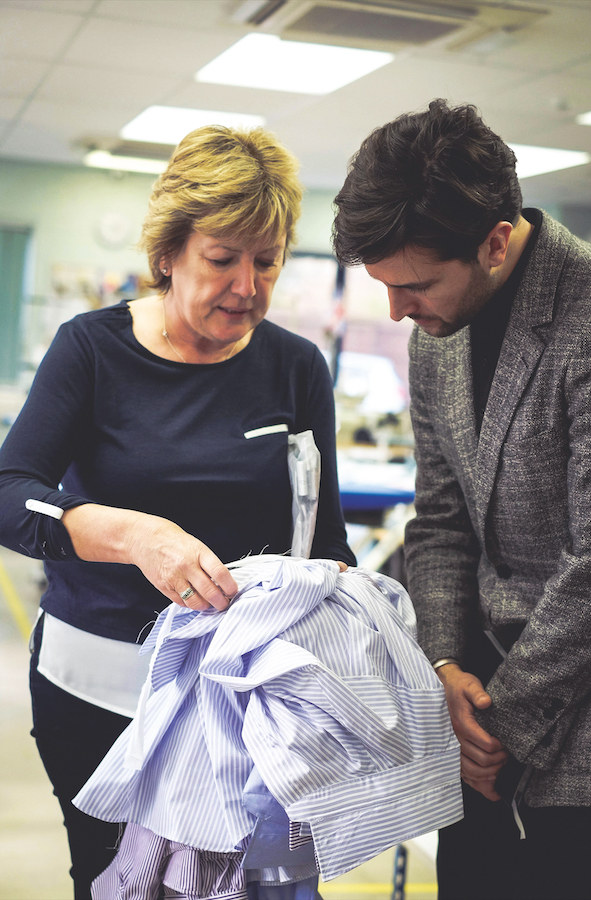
(499, 554)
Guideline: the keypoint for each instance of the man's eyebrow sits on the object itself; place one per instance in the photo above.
(413, 285)
(416, 285)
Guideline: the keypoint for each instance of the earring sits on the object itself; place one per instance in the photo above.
(164, 271)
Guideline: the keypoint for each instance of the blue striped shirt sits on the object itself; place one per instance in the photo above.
(314, 678)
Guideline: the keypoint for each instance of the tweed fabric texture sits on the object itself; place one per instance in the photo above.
(502, 535)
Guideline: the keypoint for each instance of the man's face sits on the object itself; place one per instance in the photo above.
(441, 297)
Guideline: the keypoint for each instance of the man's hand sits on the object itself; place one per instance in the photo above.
(482, 755)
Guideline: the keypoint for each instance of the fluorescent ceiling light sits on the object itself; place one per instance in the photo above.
(102, 159)
(265, 61)
(584, 119)
(169, 124)
(539, 160)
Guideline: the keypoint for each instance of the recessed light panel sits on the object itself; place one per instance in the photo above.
(540, 160)
(265, 61)
(169, 124)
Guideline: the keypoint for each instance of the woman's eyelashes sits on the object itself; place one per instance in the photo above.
(263, 264)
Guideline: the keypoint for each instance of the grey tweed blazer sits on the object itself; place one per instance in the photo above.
(502, 535)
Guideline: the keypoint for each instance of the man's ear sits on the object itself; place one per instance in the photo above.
(493, 250)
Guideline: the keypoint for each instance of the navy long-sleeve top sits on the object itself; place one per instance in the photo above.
(109, 422)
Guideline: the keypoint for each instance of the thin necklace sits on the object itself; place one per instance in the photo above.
(166, 336)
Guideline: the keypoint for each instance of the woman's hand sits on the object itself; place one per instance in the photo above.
(182, 567)
(175, 562)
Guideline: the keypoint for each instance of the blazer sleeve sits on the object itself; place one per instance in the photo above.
(441, 550)
(540, 689)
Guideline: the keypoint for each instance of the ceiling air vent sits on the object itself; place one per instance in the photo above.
(386, 24)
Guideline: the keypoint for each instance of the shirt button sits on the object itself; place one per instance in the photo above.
(504, 571)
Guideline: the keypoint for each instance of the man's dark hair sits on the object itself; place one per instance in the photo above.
(439, 179)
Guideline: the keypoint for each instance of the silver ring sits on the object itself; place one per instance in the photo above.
(186, 594)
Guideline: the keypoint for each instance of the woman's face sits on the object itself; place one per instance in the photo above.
(220, 290)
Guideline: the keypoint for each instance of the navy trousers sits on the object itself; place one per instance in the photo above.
(72, 738)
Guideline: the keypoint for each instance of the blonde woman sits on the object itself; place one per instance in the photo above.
(153, 449)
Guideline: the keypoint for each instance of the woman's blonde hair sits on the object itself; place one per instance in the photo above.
(221, 181)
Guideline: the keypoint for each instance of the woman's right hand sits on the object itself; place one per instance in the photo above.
(174, 561)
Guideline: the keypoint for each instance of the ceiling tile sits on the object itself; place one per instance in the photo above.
(109, 87)
(61, 6)
(28, 141)
(196, 13)
(17, 79)
(35, 33)
(146, 47)
(9, 107)
(76, 120)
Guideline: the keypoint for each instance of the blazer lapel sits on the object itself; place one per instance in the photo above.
(519, 356)
(458, 410)
(522, 347)
(462, 390)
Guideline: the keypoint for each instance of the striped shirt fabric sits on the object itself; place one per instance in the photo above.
(313, 681)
